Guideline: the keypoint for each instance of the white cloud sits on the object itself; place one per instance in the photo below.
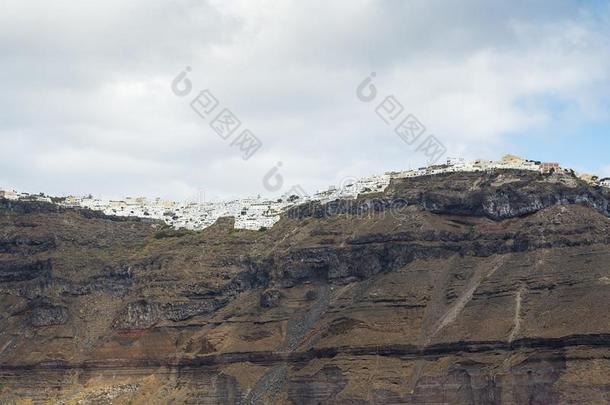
(87, 83)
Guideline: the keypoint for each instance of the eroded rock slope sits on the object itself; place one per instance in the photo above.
(461, 288)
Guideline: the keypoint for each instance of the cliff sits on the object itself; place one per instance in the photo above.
(458, 288)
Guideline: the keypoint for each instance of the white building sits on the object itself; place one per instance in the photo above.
(9, 194)
(257, 213)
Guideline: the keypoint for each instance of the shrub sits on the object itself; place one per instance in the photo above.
(311, 295)
(170, 232)
(270, 299)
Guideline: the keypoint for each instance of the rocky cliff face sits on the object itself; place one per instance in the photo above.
(461, 288)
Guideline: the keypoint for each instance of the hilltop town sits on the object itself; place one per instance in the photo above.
(260, 213)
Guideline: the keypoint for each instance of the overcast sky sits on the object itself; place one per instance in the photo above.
(87, 104)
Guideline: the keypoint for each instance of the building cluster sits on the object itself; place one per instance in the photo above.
(259, 213)
(15, 195)
(462, 165)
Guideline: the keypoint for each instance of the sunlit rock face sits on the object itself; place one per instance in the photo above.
(465, 288)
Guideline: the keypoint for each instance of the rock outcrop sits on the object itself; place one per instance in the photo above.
(464, 288)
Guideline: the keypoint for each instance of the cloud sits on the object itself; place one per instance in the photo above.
(87, 104)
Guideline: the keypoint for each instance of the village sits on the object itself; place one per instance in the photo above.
(260, 213)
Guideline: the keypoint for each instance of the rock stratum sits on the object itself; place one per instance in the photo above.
(462, 288)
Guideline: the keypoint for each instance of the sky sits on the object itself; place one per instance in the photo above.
(92, 101)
